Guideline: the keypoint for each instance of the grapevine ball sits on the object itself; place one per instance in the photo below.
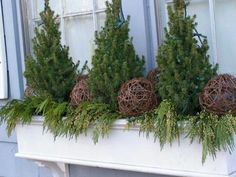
(219, 95)
(136, 97)
(80, 92)
(29, 92)
(154, 75)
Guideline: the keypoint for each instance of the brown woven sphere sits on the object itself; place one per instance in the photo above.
(29, 92)
(219, 95)
(154, 75)
(80, 92)
(136, 97)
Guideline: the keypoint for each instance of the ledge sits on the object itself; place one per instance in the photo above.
(122, 150)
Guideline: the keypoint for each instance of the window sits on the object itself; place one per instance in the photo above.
(79, 19)
(216, 19)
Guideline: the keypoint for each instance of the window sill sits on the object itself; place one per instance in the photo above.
(122, 150)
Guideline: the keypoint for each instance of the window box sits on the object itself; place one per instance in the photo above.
(123, 150)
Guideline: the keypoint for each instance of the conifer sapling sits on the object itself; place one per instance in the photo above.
(183, 61)
(114, 61)
(51, 71)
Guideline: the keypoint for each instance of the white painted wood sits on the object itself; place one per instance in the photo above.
(3, 61)
(123, 150)
(57, 169)
(213, 30)
(95, 23)
(62, 22)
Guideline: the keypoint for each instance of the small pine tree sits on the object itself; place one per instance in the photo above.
(51, 71)
(114, 61)
(184, 64)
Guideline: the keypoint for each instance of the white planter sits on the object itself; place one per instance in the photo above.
(123, 150)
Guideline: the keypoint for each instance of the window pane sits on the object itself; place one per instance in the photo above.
(201, 9)
(73, 6)
(226, 38)
(79, 35)
(101, 4)
(38, 6)
(101, 17)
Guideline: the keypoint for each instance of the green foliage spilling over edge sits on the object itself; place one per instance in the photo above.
(60, 119)
(215, 133)
(162, 123)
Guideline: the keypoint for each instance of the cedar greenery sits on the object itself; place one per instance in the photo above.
(162, 122)
(166, 124)
(19, 111)
(216, 133)
(183, 61)
(98, 115)
(114, 61)
(50, 71)
(60, 118)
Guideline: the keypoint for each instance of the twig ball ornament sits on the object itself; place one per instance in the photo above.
(29, 92)
(80, 92)
(154, 75)
(219, 95)
(136, 97)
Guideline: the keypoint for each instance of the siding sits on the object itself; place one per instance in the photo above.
(98, 172)
(9, 165)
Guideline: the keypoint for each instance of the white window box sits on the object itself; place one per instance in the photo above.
(123, 150)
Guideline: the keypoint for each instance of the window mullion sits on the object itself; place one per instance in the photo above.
(95, 22)
(213, 29)
(31, 22)
(62, 19)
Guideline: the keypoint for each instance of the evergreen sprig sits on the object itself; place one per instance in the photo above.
(60, 119)
(19, 111)
(97, 116)
(166, 124)
(215, 133)
(162, 123)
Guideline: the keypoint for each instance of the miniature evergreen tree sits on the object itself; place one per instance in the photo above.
(183, 62)
(114, 61)
(51, 71)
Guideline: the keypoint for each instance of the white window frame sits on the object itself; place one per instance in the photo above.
(161, 21)
(3, 59)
